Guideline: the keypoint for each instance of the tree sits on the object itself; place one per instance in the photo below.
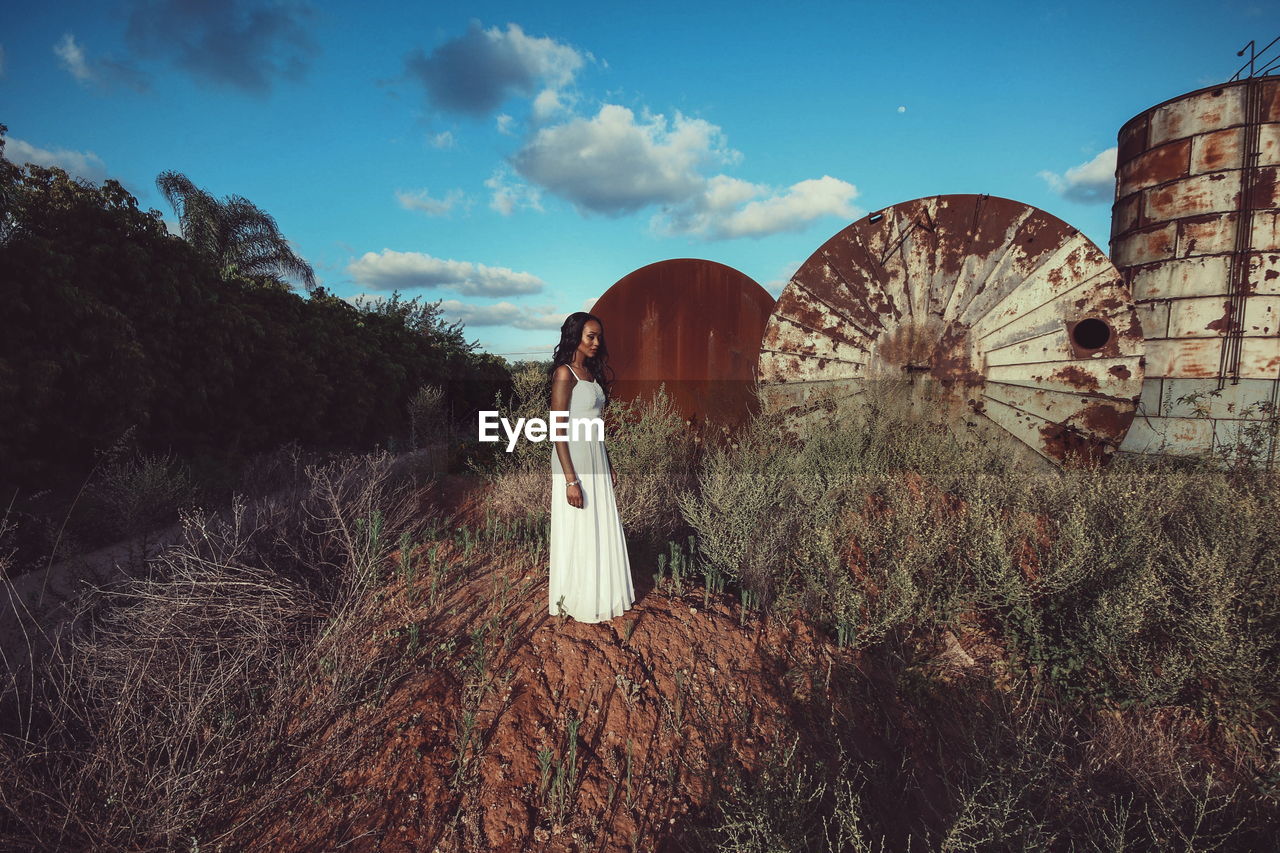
(240, 237)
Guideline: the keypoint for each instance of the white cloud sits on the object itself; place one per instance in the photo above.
(104, 72)
(172, 226)
(614, 164)
(504, 123)
(444, 139)
(504, 314)
(547, 105)
(902, 109)
(510, 195)
(1093, 182)
(589, 302)
(730, 207)
(82, 164)
(391, 270)
(478, 71)
(423, 202)
(73, 59)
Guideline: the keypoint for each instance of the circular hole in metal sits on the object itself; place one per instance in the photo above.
(1091, 333)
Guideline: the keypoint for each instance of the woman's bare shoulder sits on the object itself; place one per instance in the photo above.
(564, 374)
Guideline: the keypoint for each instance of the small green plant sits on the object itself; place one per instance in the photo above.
(558, 779)
(464, 757)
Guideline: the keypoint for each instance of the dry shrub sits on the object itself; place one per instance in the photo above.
(171, 707)
(652, 449)
(135, 494)
(522, 493)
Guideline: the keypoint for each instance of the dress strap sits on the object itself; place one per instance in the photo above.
(574, 372)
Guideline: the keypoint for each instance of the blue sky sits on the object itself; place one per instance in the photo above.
(516, 159)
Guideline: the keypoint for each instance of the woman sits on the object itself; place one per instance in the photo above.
(590, 577)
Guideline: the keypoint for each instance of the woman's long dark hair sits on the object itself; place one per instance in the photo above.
(570, 337)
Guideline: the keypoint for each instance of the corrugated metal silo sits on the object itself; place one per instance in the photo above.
(1196, 233)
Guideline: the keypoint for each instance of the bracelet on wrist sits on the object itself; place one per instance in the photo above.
(573, 483)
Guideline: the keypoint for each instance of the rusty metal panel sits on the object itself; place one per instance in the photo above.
(1195, 357)
(1126, 215)
(1206, 235)
(1260, 358)
(1208, 110)
(1260, 316)
(1269, 145)
(1157, 166)
(1170, 435)
(1142, 247)
(1214, 152)
(1173, 279)
(1264, 272)
(691, 324)
(993, 309)
(1266, 188)
(1271, 99)
(1199, 317)
(1215, 193)
(1154, 317)
(1266, 230)
(1230, 401)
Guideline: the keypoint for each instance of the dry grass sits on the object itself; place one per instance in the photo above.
(177, 702)
(1112, 686)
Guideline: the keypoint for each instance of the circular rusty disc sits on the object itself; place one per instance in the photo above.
(691, 324)
(1005, 317)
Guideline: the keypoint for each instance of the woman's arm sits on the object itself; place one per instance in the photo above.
(562, 382)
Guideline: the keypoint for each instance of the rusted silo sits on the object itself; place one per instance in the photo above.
(1195, 233)
(692, 324)
(1003, 316)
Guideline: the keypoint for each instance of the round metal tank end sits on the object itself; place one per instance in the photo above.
(996, 316)
(691, 325)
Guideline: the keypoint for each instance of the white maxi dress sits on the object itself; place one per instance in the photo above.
(590, 575)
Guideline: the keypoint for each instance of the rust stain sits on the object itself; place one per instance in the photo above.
(1104, 419)
(1223, 324)
(1219, 149)
(1159, 165)
(1271, 100)
(1070, 446)
(1264, 193)
(1119, 371)
(952, 364)
(1076, 376)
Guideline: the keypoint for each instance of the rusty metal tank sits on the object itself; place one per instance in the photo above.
(1002, 317)
(693, 325)
(1195, 232)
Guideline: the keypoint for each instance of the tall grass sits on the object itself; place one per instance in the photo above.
(176, 702)
(1148, 587)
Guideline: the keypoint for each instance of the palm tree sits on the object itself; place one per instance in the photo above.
(236, 233)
